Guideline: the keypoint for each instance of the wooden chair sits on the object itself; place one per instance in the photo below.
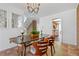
(40, 48)
(51, 44)
(20, 47)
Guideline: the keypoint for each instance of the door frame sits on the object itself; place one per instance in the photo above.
(61, 27)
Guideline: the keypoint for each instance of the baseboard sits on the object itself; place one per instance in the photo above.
(8, 49)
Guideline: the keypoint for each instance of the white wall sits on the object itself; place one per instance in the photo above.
(45, 25)
(6, 33)
(10, 10)
(68, 25)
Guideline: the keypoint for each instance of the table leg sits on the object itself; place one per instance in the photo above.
(51, 51)
(24, 50)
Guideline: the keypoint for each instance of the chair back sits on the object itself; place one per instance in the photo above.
(40, 48)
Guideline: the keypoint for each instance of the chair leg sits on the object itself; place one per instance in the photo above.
(54, 48)
(46, 54)
(19, 51)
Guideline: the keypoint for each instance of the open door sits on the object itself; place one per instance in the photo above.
(57, 29)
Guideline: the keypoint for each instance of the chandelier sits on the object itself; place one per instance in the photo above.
(33, 7)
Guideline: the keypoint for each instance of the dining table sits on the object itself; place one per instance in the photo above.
(26, 41)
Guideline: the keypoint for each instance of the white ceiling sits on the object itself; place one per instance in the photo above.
(47, 8)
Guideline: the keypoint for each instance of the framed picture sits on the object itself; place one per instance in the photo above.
(15, 20)
(3, 19)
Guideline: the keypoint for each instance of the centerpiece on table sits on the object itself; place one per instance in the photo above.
(34, 34)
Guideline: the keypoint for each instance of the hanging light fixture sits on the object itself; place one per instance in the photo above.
(33, 7)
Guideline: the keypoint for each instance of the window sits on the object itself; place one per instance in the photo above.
(3, 19)
(14, 20)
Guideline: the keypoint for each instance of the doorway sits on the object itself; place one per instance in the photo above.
(57, 29)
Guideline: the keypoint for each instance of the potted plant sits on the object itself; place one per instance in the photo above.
(34, 34)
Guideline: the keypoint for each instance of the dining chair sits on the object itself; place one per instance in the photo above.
(39, 48)
(20, 49)
(51, 44)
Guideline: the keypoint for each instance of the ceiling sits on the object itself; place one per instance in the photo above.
(47, 8)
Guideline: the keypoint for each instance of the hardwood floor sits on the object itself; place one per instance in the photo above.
(61, 50)
(70, 50)
(66, 50)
